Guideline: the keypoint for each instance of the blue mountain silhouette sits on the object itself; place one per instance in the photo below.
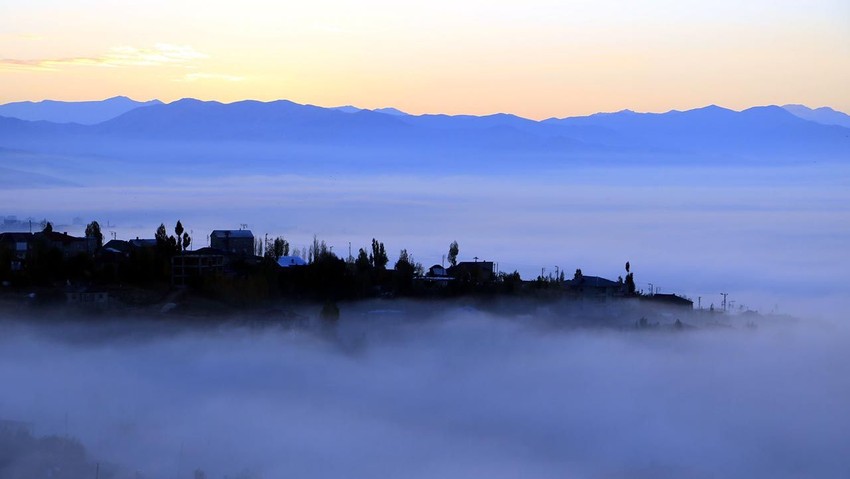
(712, 131)
(82, 112)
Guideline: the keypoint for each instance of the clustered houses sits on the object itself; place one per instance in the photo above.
(232, 251)
(22, 245)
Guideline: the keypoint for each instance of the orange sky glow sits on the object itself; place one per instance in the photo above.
(538, 59)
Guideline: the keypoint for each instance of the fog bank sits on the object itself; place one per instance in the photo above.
(461, 394)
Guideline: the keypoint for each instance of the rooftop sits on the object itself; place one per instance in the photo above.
(232, 234)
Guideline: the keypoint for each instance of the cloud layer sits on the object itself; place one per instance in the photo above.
(463, 394)
(162, 54)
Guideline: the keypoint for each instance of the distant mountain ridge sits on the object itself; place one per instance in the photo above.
(81, 112)
(712, 131)
(823, 115)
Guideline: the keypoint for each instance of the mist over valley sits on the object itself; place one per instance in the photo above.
(454, 392)
(753, 204)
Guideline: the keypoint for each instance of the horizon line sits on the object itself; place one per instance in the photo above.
(339, 107)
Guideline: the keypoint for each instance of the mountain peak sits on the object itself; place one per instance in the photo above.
(823, 115)
(390, 111)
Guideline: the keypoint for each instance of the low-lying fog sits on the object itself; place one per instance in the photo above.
(462, 394)
(762, 233)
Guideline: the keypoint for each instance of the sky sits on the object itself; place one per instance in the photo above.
(536, 58)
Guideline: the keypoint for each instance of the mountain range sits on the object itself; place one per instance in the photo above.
(283, 135)
(81, 112)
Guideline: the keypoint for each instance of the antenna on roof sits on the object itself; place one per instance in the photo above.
(243, 226)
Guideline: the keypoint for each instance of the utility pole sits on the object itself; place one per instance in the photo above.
(724, 300)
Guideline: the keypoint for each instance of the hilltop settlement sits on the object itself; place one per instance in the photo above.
(238, 270)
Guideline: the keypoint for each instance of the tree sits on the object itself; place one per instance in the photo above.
(405, 263)
(630, 280)
(453, 251)
(48, 227)
(187, 240)
(403, 257)
(630, 283)
(161, 235)
(362, 263)
(93, 231)
(178, 229)
(405, 270)
(378, 258)
(281, 247)
(276, 248)
(166, 245)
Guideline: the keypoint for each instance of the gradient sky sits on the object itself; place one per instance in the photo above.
(536, 58)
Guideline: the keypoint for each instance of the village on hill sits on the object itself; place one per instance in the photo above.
(239, 270)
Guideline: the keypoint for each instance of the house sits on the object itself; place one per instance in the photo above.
(289, 261)
(116, 247)
(436, 277)
(437, 271)
(143, 243)
(669, 300)
(19, 245)
(473, 271)
(67, 244)
(193, 265)
(593, 285)
(240, 242)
